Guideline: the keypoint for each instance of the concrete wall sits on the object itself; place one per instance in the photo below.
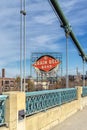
(45, 120)
(51, 117)
(14, 103)
(41, 121)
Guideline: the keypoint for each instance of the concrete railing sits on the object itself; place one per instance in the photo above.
(84, 91)
(15, 114)
(2, 109)
(42, 100)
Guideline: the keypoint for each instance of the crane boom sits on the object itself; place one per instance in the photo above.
(67, 27)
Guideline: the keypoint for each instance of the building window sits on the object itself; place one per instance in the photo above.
(6, 82)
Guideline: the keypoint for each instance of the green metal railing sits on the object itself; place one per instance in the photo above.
(2, 109)
(84, 91)
(43, 100)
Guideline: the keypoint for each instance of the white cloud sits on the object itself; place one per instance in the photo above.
(42, 29)
(45, 19)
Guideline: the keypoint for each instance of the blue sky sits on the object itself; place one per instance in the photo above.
(43, 33)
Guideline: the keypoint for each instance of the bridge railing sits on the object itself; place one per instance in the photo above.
(84, 91)
(43, 100)
(2, 109)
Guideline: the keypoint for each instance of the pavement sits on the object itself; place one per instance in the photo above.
(78, 121)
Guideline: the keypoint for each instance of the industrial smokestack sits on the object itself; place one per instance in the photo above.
(3, 73)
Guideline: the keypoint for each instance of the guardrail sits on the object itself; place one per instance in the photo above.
(84, 91)
(2, 109)
(43, 100)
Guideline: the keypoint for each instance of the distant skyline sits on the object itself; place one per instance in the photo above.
(43, 33)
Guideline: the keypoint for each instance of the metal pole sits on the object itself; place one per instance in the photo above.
(31, 64)
(24, 43)
(83, 73)
(21, 44)
(67, 62)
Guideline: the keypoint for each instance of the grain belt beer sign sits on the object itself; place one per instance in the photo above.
(46, 63)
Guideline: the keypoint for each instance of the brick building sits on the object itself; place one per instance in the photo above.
(7, 84)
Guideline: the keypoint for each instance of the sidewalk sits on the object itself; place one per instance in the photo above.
(78, 121)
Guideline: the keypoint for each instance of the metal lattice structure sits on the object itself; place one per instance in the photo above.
(40, 75)
(2, 109)
(43, 100)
